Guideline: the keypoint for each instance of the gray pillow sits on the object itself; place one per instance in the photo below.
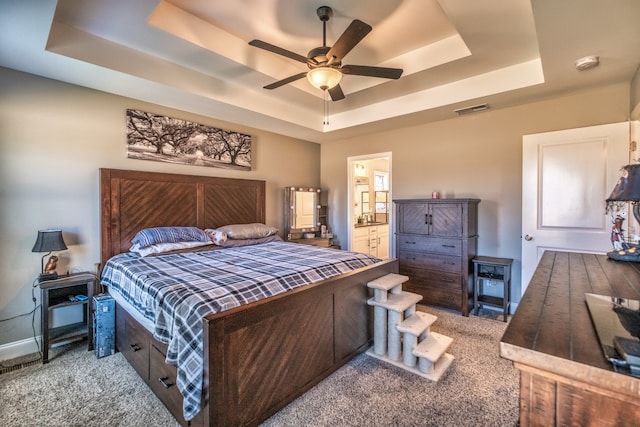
(248, 231)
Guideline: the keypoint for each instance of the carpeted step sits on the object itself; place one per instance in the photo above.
(390, 282)
(417, 323)
(432, 347)
(397, 302)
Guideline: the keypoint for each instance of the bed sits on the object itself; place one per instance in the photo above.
(257, 357)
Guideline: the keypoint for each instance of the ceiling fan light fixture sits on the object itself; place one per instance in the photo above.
(324, 78)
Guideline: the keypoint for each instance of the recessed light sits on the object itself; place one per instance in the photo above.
(587, 62)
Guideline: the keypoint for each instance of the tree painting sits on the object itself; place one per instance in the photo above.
(165, 139)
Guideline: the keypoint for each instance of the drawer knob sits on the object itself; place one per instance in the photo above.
(448, 246)
(134, 347)
(410, 243)
(165, 382)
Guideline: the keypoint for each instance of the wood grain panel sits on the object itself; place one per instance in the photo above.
(521, 331)
(266, 353)
(308, 336)
(565, 378)
(415, 220)
(133, 200)
(164, 197)
(538, 394)
(579, 407)
(556, 339)
(584, 350)
(446, 220)
(243, 201)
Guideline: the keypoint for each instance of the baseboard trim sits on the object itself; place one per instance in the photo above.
(20, 348)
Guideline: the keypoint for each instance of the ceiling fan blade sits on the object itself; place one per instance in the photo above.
(364, 70)
(284, 52)
(336, 93)
(285, 81)
(351, 37)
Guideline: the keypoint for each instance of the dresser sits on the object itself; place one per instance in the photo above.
(565, 379)
(436, 240)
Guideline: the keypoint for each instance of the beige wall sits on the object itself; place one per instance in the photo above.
(635, 96)
(475, 156)
(53, 139)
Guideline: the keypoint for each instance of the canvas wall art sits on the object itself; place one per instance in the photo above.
(165, 139)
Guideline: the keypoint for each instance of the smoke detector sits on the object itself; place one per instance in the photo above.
(587, 62)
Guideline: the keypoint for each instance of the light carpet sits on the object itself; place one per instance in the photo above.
(479, 389)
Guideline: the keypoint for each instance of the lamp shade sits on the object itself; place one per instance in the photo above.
(324, 77)
(49, 241)
(628, 187)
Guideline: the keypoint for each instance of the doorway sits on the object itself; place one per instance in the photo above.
(370, 209)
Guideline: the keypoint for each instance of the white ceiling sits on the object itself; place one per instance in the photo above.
(193, 55)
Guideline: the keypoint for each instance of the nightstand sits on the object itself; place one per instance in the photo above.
(496, 270)
(60, 293)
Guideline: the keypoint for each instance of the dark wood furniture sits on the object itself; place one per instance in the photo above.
(494, 270)
(436, 239)
(323, 242)
(564, 376)
(312, 209)
(258, 357)
(59, 293)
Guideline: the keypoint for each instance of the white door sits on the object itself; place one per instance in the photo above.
(566, 177)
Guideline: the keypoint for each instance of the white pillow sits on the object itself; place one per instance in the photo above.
(165, 247)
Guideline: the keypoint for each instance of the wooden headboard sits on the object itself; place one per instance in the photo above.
(133, 200)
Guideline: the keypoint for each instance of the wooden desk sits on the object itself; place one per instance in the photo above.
(565, 379)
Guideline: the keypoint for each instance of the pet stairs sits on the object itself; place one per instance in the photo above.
(417, 350)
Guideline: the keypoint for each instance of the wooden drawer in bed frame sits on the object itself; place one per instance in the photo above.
(147, 356)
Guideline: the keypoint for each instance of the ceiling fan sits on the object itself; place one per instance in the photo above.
(325, 63)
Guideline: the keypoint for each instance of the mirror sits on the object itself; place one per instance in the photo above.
(382, 206)
(366, 206)
(362, 206)
(302, 206)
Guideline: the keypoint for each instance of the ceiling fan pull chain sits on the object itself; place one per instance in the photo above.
(326, 107)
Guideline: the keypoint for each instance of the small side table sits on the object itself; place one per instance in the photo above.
(60, 293)
(497, 270)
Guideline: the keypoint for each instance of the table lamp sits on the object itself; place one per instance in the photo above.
(49, 241)
(627, 190)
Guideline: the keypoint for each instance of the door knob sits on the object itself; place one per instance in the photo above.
(528, 237)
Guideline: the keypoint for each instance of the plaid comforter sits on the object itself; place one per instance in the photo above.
(176, 291)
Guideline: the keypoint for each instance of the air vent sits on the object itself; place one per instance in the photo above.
(472, 109)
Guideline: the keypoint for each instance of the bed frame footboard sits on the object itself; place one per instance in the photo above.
(264, 355)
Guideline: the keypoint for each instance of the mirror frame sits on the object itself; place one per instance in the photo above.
(290, 207)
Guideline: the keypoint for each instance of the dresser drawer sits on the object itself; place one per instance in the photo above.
(436, 288)
(432, 279)
(439, 297)
(133, 342)
(451, 264)
(414, 242)
(163, 381)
